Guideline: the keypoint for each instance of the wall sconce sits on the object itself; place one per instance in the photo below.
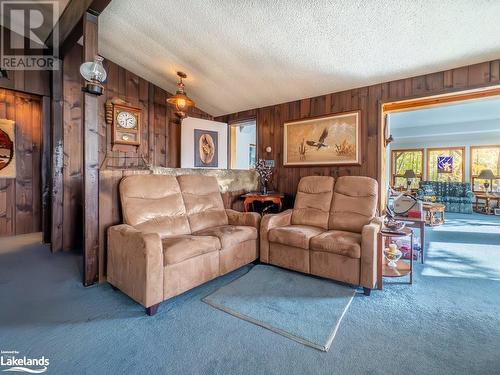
(94, 74)
(3, 74)
(181, 101)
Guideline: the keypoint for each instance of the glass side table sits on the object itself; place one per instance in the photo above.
(404, 267)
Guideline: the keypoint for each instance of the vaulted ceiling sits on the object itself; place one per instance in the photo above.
(245, 54)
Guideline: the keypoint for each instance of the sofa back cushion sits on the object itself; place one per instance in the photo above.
(153, 204)
(203, 201)
(312, 203)
(354, 203)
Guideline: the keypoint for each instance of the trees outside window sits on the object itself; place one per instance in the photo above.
(485, 157)
(453, 172)
(403, 160)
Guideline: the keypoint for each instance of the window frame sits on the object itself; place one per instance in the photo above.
(230, 150)
(472, 176)
(464, 156)
(393, 166)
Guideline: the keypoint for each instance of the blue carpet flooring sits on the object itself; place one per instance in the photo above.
(447, 322)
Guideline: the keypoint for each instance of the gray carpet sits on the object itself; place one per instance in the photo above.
(448, 322)
(303, 308)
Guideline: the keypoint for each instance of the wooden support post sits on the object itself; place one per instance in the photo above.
(57, 160)
(90, 138)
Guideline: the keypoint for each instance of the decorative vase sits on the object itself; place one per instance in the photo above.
(264, 187)
(392, 254)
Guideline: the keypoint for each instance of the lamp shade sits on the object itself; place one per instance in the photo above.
(409, 174)
(486, 174)
(181, 101)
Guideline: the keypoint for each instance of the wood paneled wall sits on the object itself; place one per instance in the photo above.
(160, 138)
(20, 198)
(367, 99)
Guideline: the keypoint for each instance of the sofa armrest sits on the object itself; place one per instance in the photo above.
(135, 263)
(251, 219)
(369, 244)
(267, 223)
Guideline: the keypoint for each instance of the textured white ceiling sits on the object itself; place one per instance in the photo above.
(242, 54)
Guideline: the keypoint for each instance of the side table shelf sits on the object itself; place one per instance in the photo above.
(404, 267)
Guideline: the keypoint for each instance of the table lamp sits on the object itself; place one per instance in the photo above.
(486, 174)
(409, 175)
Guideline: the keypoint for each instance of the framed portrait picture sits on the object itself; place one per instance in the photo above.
(327, 140)
(205, 148)
(7, 146)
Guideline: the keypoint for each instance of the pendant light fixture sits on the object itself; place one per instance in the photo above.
(181, 101)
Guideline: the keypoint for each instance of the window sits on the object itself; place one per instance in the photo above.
(243, 139)
(445, 164)
(403, 160)
(485, 157)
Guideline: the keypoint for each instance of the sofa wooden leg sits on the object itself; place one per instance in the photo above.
(152, 309)
(367, 291)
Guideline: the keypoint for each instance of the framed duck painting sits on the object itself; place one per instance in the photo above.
(326, 140)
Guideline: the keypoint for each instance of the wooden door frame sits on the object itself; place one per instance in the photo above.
(413, 104)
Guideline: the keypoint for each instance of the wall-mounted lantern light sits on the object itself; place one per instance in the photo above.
(94, 74)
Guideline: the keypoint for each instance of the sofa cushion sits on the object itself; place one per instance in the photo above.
(338, 242)
(354, 203)
(179, 248)
(230, 235)
(294, 235)
(312, 203)
(203, 201)
(153, 204)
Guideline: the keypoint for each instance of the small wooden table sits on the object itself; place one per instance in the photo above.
(403, 267)
(417, 223)
(255, 196)
(434, 213)
(487, 198)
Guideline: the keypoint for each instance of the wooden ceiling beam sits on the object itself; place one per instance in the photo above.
(70, 24)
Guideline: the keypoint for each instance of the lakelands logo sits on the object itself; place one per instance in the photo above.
(30, 35)
(11, 361)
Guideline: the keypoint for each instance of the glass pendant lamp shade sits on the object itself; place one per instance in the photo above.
(181, 101)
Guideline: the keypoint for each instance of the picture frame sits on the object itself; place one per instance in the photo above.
(7, 149)
(496, 211)
(206, 148)
(331, 140)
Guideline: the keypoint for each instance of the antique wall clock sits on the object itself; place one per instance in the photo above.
(125, 122)
(126, 125)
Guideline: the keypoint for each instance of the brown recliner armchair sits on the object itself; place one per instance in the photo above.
(330, 232)
(176, 235)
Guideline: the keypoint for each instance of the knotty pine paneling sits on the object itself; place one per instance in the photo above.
(160, 138)
(367, 99)
(20, 198)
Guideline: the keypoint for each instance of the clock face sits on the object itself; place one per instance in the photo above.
(126, 120)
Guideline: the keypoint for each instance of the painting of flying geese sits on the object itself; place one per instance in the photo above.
(326, 140)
